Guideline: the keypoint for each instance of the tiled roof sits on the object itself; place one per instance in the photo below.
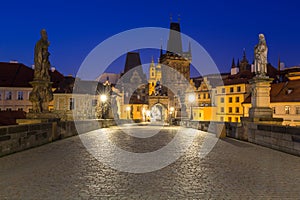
(283, 92)
(19, 75)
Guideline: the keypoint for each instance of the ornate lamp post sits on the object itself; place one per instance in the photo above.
(191, 99)
(103, 99)
(127, 111)
(171, 113)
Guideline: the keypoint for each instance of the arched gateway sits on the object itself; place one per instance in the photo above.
(158, 106)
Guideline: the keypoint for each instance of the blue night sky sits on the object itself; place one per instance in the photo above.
(223, 28)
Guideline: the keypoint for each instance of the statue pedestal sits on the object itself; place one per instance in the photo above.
(260, 99)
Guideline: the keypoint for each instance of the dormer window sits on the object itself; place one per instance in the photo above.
(289, 91)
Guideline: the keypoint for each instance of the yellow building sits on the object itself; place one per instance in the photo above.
(200, 103)
(135, 112)
(285, 101)
(154, 76)
(229, 98)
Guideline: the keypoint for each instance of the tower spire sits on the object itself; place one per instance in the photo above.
(279, 67)
(233, 63)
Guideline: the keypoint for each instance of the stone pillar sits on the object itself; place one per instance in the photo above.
(260, 99)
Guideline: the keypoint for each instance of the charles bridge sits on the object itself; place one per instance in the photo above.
(64, 169)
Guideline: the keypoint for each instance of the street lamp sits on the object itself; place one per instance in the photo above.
(103, 99)
(128, 110)
(191, 99)
(171, 112)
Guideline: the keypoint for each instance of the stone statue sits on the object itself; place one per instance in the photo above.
(41, 93)
(260, 53)
(41, 58)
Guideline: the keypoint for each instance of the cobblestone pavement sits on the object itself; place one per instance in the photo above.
(232, 170)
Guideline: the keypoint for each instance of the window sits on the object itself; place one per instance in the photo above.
(20, 95)
(152, 83)
(204, 96)
(199, 114)
(230, 110)
(274, 110)
(222, 109)
(230, 100)
(138, 109)
(152, 73)
(237, 110)
(223, 90)
(20, 109)
(0, 95)
(237, 99)
(221, 119)
(94, 102)
(231, 89)
(297, 110)
(229, 119)
(222, 99)
(238, 89)
(237, 119)
(287, 110)
(8, 109)
(198, 96)
(72, 104)
(208, 96)
(8, 95)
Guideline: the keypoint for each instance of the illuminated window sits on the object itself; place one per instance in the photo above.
(287, 110)
(298, 110)
(20, 95)
(8, 95)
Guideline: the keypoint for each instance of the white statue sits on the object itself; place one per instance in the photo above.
(260, 53)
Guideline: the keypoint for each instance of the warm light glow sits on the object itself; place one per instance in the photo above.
(103, 98)
(191, 98)
(172, 109)
(148, 113)
(128, 108)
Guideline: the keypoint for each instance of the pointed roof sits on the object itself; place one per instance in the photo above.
(244, 59)
(233, 63)
(174, 42)
(132, 60)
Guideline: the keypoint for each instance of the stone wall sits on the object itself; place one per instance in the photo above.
(20, 137)
(282, 138)
(218, 128)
